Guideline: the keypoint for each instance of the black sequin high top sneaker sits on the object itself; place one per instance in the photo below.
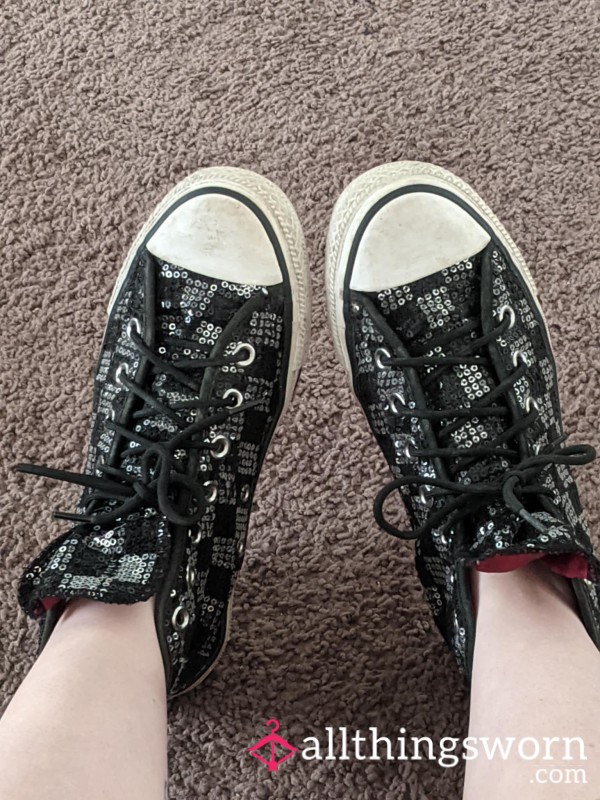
(436, 319)
(206, 333)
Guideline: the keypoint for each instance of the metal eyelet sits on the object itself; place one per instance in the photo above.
(423, 497)
(511, 313)
(251, 354)
(133, 323)
(235, 393)
(195, 536)
(225, 446)
(409, 440)
(381, 351)
(401, 401)
(122, 368)
(212, 491)
(190, 576)
(519, 355)
(180, 618)
(245, 493)
(531, 404)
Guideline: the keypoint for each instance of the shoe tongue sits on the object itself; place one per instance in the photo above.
(498, 524)
(127, 532)
(194, 308)
(426, 310)
(122, 562)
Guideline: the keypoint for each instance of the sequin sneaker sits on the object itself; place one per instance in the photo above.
(436, 320)
(206, 333)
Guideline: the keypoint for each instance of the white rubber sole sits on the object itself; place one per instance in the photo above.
(354, 204)
(281, 214)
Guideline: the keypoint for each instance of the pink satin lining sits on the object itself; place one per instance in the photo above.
(569, 565)
(49, 602)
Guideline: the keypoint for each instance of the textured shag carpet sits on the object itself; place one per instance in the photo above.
(103, 107)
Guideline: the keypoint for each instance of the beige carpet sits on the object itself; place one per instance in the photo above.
(104, 105)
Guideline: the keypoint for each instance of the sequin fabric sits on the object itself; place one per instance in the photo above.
(408, 318)
(191, 571)
(117, 565)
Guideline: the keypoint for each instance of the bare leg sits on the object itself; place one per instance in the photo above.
(536, 674)
(89, 720)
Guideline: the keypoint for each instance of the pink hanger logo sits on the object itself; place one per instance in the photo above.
(272, 750)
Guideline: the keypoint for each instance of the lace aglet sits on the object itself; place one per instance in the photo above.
(64, 515)
(28, 469)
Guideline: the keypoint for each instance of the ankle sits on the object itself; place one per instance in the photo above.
(117, 617)
(532, 584)
(111, 633)
(96, 624)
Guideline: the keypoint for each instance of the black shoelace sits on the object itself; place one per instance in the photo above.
(163, 479)
(517, 484)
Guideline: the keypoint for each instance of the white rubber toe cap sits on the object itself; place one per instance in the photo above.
(411, 237)
(220, 237)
